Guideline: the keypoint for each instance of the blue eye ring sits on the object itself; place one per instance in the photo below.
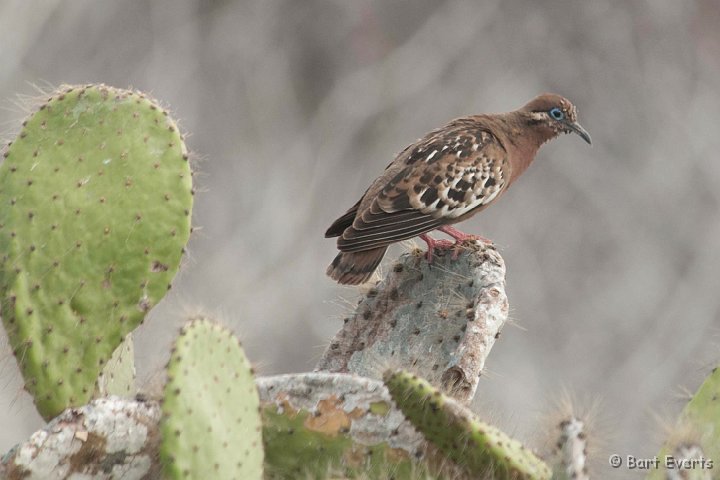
(556, 113)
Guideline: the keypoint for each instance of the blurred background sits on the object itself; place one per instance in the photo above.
(292, 108)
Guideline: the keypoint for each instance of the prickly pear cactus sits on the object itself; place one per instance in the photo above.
(695, 449)
(95, 201)
(118, 375)
(349, 419)
(479, 448)
(211, 420)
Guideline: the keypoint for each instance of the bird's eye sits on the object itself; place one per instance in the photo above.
(556, 113)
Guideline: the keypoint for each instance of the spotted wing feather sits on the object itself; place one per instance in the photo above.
(445, 176)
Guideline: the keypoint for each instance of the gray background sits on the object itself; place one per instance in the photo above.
(294, 107)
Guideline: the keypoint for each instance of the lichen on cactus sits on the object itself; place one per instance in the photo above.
(95, 202)
(315, 424)
(297, 448)
(211, 420)
(442, 318)
(481, 449)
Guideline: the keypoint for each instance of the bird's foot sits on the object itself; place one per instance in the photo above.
(433, 244)
(456, 246)
(463, 237)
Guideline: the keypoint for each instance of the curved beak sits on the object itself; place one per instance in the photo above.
(577, 128)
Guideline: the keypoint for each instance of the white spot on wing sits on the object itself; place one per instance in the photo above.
(433, 205)
(476, 202)
(431, 156)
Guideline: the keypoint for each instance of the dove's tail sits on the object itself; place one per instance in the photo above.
(353, 268)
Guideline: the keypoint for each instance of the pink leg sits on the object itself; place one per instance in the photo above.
(460, 236)
(432, 244)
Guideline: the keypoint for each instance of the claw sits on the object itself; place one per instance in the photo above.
(456, 246)
(433, 244)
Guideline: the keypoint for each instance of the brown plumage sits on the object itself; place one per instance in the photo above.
(445, 177)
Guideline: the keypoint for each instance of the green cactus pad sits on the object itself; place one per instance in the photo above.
(211, 421)
(475, 446)
(95, 201)
(118, 375)
(699, 430)
(703, 414)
